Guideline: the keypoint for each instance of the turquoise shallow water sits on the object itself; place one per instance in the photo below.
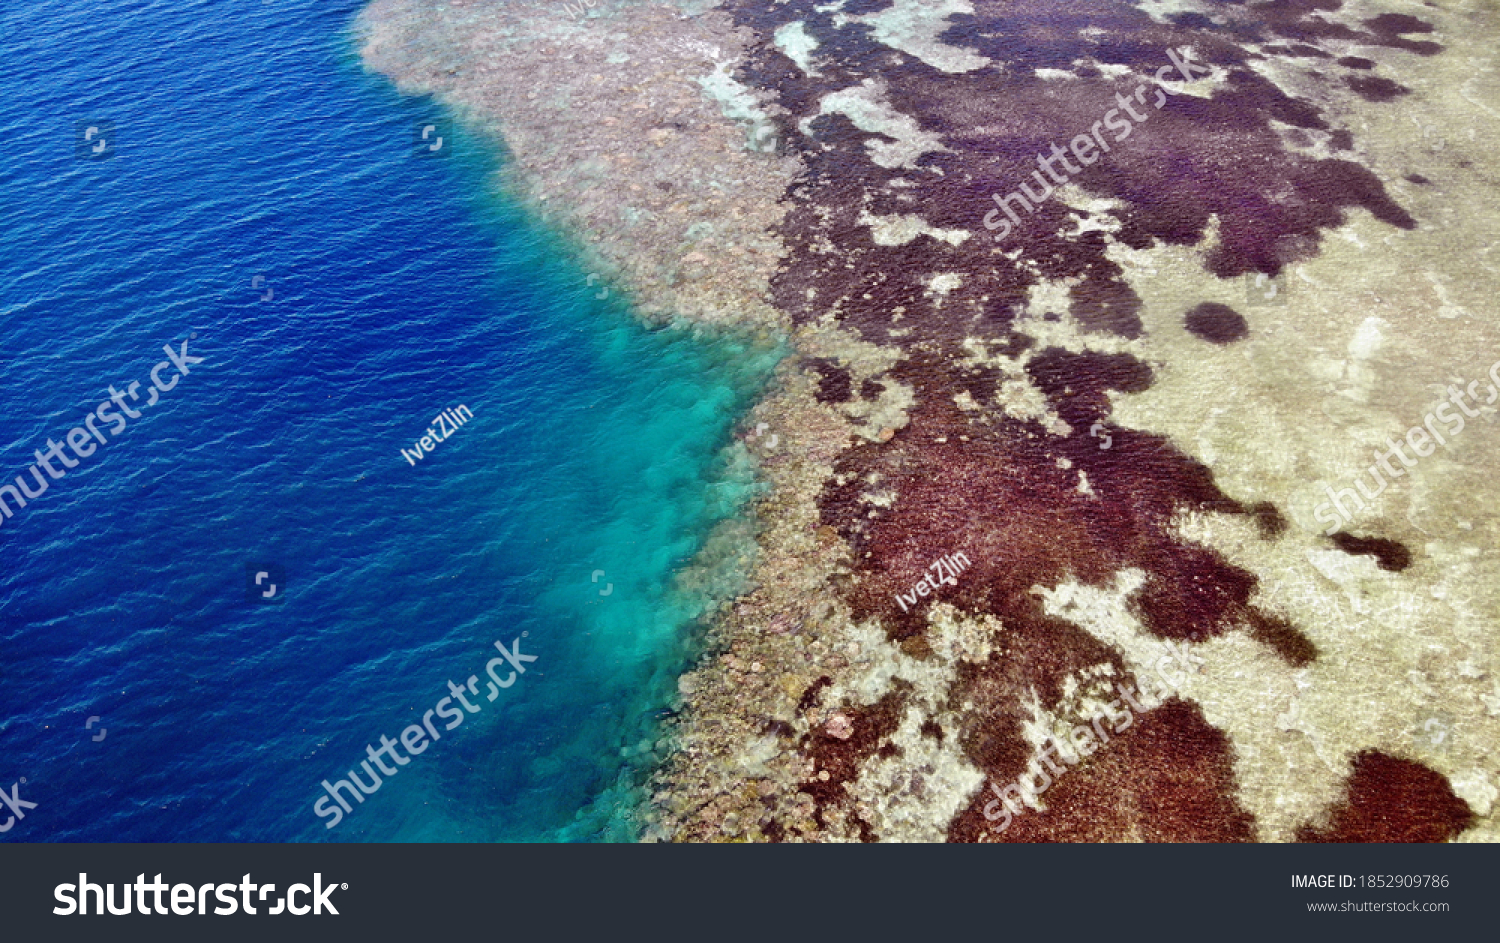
(249, 142)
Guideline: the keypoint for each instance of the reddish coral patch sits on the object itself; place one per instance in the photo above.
(1216, 323)
(1389, 554)
(1374, 88)
(1167, 778)
(1388, 799)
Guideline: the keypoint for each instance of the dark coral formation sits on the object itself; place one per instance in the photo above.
(1374, 88)
(838, 754)
(1389, 554)
(1388, 799)
(835, 385)
(1216, 323)
(1170, 780)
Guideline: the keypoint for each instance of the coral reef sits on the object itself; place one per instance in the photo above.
(1119, 411)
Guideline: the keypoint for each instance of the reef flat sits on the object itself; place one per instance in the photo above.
(1122, 302)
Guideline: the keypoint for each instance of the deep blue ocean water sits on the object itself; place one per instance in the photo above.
(248, 141)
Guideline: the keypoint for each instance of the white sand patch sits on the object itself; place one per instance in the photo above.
(797, 44)
(886, 411)
(912, 796)
(913, 26)
(899, 230)
(738, 103)
(939, 285)
(866, 107)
